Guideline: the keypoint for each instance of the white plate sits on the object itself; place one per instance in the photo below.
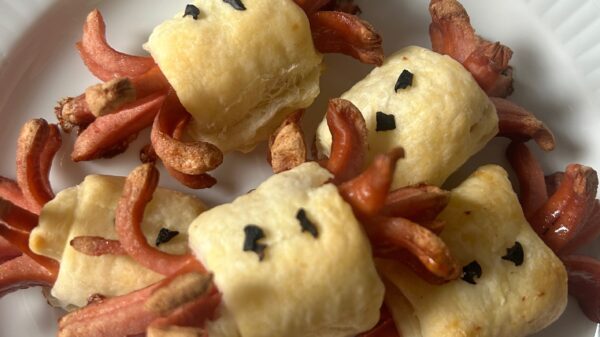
(557, 61)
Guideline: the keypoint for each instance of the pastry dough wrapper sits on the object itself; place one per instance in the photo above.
(441, 120)
(89, 210)
(483, 218)
(239, 73)
(305, 286)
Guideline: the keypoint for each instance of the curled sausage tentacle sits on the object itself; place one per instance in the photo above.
(190, 158)
(489, 65)
(194, 181)
(417, 203)
(179, 291)
(452, 34)
(532, 184)
(570, 217)
(110, 135)
(368, 192)
(408, 259)
(519, 124)
(349, 140)
(566, 212)
(137, 193)
(114, 317)
(418, 240)
(339, 32)
(20, 240)
(23, 272)
(287, 148)
(101, 59)
(37, 144)
(190, 317)
(129, 315)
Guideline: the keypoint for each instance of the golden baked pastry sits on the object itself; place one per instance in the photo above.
(513, 297)
(441, 119)
(298, 283)
(239, 73)
(88, 210)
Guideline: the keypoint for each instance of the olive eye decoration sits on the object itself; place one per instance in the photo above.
(237, 4)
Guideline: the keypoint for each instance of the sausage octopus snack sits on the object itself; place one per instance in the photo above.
(280, 240)
(87, 212)
(258, 231)
(512, 284)
(442, 118)
(356, 243)
(236, 70)
(61, 242)
(435, 103)
(289, 258)
(238, 73)
(297, 280)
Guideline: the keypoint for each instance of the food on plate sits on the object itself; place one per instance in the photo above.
(237, 80)
(287, 148)
(562, 208)
(87, 211)
(441, 118)
(270, 251)
(20, 204)
(437, 107)
(451, 34)
(235, 70)
(314, 273)
(356, 243)
(62, 238)
(512, 284)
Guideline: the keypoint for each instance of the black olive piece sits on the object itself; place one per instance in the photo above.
(192, 11)
(165, 235)
(237, 4)
(471, 271)
(515, 254)
(385, 122)
(306, 224)
(253, 234)
(404, 81)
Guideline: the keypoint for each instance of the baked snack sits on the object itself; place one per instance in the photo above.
(88, 210)
(295, 282)
(239, 73)
(441, 117)
(519, 288)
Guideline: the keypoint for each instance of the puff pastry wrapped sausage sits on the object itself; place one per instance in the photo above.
(89, 210)
(441, 120)
(305, 285)
(484, 219)
(238, 77)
